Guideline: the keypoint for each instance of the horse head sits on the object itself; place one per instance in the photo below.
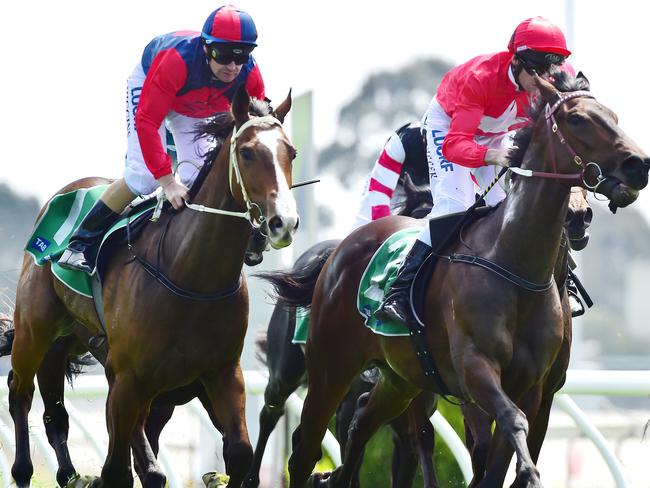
(578, 219)
(417, 200)
(584, 138)
(262, 158)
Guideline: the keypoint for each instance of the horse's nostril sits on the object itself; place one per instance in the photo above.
(275, 224)
(635, 166)
(297, 224)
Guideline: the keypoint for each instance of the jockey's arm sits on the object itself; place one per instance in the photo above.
(165, 78)
(382, 182)
(459, 145)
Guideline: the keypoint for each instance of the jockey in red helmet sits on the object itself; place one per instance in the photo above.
(182, 78)
(468, 128)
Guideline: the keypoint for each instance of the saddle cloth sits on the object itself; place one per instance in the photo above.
(61, 218)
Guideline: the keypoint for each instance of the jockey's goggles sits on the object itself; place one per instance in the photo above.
(538, 61)
(228, 54)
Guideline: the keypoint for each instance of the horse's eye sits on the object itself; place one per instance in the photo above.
(246, 153)
(575, 120)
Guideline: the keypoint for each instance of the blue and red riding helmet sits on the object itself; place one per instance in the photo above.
(230, 25)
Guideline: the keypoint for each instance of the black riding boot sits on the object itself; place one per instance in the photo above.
(397, 303)
(81, 252)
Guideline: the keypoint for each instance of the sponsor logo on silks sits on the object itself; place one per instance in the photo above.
(367, 311)
(40, 244)
(437, 141)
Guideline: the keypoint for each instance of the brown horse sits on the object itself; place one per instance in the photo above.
(478, 425)
(158, 339)
(495, 342)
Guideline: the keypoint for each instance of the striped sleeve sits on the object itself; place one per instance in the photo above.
(375, 202)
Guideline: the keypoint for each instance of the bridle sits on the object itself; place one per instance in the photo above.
(552, 128)
(253, 211)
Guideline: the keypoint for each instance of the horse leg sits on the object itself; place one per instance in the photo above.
(405, 462)
(388, 399)
(483, 384)
(31, 341)
(286, 373)
(144, 455)
(421, 431)
(329, 379)
(478, 436)
(356, 398)
(51, 378)
(158, 417)
(126, 411)
(227, 394)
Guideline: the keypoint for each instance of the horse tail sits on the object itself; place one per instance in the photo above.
(6, 335)
(75, 365)
(296, 287)
(262, 346)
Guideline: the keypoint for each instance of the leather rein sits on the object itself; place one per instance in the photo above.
(553, 128)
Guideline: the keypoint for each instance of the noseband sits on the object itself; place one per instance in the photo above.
(552, 128)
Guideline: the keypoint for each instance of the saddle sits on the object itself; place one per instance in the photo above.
(443, 230)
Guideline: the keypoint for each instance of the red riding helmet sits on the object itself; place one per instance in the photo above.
(538, 34)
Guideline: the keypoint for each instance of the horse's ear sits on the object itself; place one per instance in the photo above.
(581, 76)
(241, 105)
(283, 109)
(546, 90)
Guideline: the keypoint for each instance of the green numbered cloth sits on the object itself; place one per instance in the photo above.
(375, 283)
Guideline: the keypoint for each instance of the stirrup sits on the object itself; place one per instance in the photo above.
(574, 299)
(75, 261)
(389, 308)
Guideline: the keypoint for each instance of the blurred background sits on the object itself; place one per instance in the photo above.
(358, 71)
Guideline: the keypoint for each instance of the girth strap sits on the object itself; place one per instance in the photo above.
(499, 270)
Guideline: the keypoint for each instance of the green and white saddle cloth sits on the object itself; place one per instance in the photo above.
(375, 283)
(60, 219)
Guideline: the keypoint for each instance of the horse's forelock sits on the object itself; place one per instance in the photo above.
(563, 82)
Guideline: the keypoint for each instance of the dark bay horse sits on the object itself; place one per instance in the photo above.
(478, 425)
(495, 342)
(159, 340)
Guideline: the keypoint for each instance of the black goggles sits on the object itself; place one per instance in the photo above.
(227, 55)
(539, 61)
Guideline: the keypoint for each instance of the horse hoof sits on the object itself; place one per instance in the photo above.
(83, 482)
(319, 480)
(213, 479)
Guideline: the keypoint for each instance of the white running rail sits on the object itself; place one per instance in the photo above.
(579, 382)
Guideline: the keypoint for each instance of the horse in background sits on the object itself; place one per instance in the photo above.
(495, 342)
(162, 340)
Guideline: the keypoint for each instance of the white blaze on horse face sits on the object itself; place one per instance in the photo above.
(285, 204)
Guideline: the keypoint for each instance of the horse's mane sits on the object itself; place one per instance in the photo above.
(563, 82)
(219, 127)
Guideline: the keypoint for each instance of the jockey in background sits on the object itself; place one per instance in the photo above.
(183, 78)
(468, 128)
(404, 153)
